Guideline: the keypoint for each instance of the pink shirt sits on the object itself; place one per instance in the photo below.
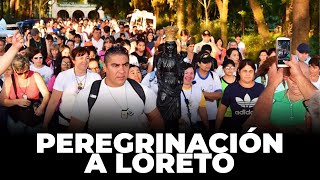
(51, 83)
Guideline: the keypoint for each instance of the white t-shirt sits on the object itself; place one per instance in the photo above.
(194, 97)
(111, 103)
(150, 80)
(45, 72)
(67, 83)
(97, 44)
(198, 46)
(209, 84)
(133, 60)
(241, 47)
(220, 72)
(317, 84)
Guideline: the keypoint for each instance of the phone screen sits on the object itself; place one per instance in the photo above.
(283, 50)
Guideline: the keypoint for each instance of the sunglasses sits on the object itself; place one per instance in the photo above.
(20, 73)
(40, 57)
(66, 63)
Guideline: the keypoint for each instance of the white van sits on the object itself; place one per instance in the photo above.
(142, 19)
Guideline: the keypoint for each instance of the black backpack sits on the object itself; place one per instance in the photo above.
(94, 92)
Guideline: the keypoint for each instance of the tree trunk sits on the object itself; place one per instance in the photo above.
(301, 23)
(16, 9)
(205, 5)
(259, 18)
(223, 11)
(1, 11)
(12, 3)
(30, 8)
(287, 27)
(180, 14)
(156, 12)
(189, 10)
(206, 9)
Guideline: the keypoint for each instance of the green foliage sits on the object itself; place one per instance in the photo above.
(213, 27)
(254, 43)
(314, 44)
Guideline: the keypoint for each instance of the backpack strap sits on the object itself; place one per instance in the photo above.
(14, 85)
(211, 73)
(94, 91)
(138, 89)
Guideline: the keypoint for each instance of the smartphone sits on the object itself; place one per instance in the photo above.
(283, 50)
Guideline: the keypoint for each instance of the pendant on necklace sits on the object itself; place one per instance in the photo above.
(24, 96)
(124, 114)
(130, 113)
(80, 86)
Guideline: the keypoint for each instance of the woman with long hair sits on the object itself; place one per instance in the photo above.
(62, 64)
(221, 54)
(234, 55)
(240, 96)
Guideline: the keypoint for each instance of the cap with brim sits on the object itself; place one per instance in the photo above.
(303, 48)
(206, 58)
(34, 32)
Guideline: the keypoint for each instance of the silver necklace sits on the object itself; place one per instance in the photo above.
(80, 83)
(124, 111)
(291, 106)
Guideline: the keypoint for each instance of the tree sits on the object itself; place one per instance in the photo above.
(12, 4)
(301, 23)
(223, 11)
(190, 11)
(287, 27)
(30, 8)
(158, 5)
(206, 5)
(180, 14)
(259, 18)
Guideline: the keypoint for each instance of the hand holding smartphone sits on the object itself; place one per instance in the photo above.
(283, 50)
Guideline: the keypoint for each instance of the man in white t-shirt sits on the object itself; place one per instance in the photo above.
(210, 84)
(118, 106)
(241, 45)
(97, 42)
(206, 39)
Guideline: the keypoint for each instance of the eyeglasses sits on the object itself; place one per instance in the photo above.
(40, 57)
(21, 73)
(66, 63)
(229, 67)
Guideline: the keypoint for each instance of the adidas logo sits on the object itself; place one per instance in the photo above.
(243, 112)
(246, 102)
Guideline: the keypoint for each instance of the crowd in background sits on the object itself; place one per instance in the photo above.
(60, 58)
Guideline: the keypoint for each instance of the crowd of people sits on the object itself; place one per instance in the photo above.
(100, 76)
